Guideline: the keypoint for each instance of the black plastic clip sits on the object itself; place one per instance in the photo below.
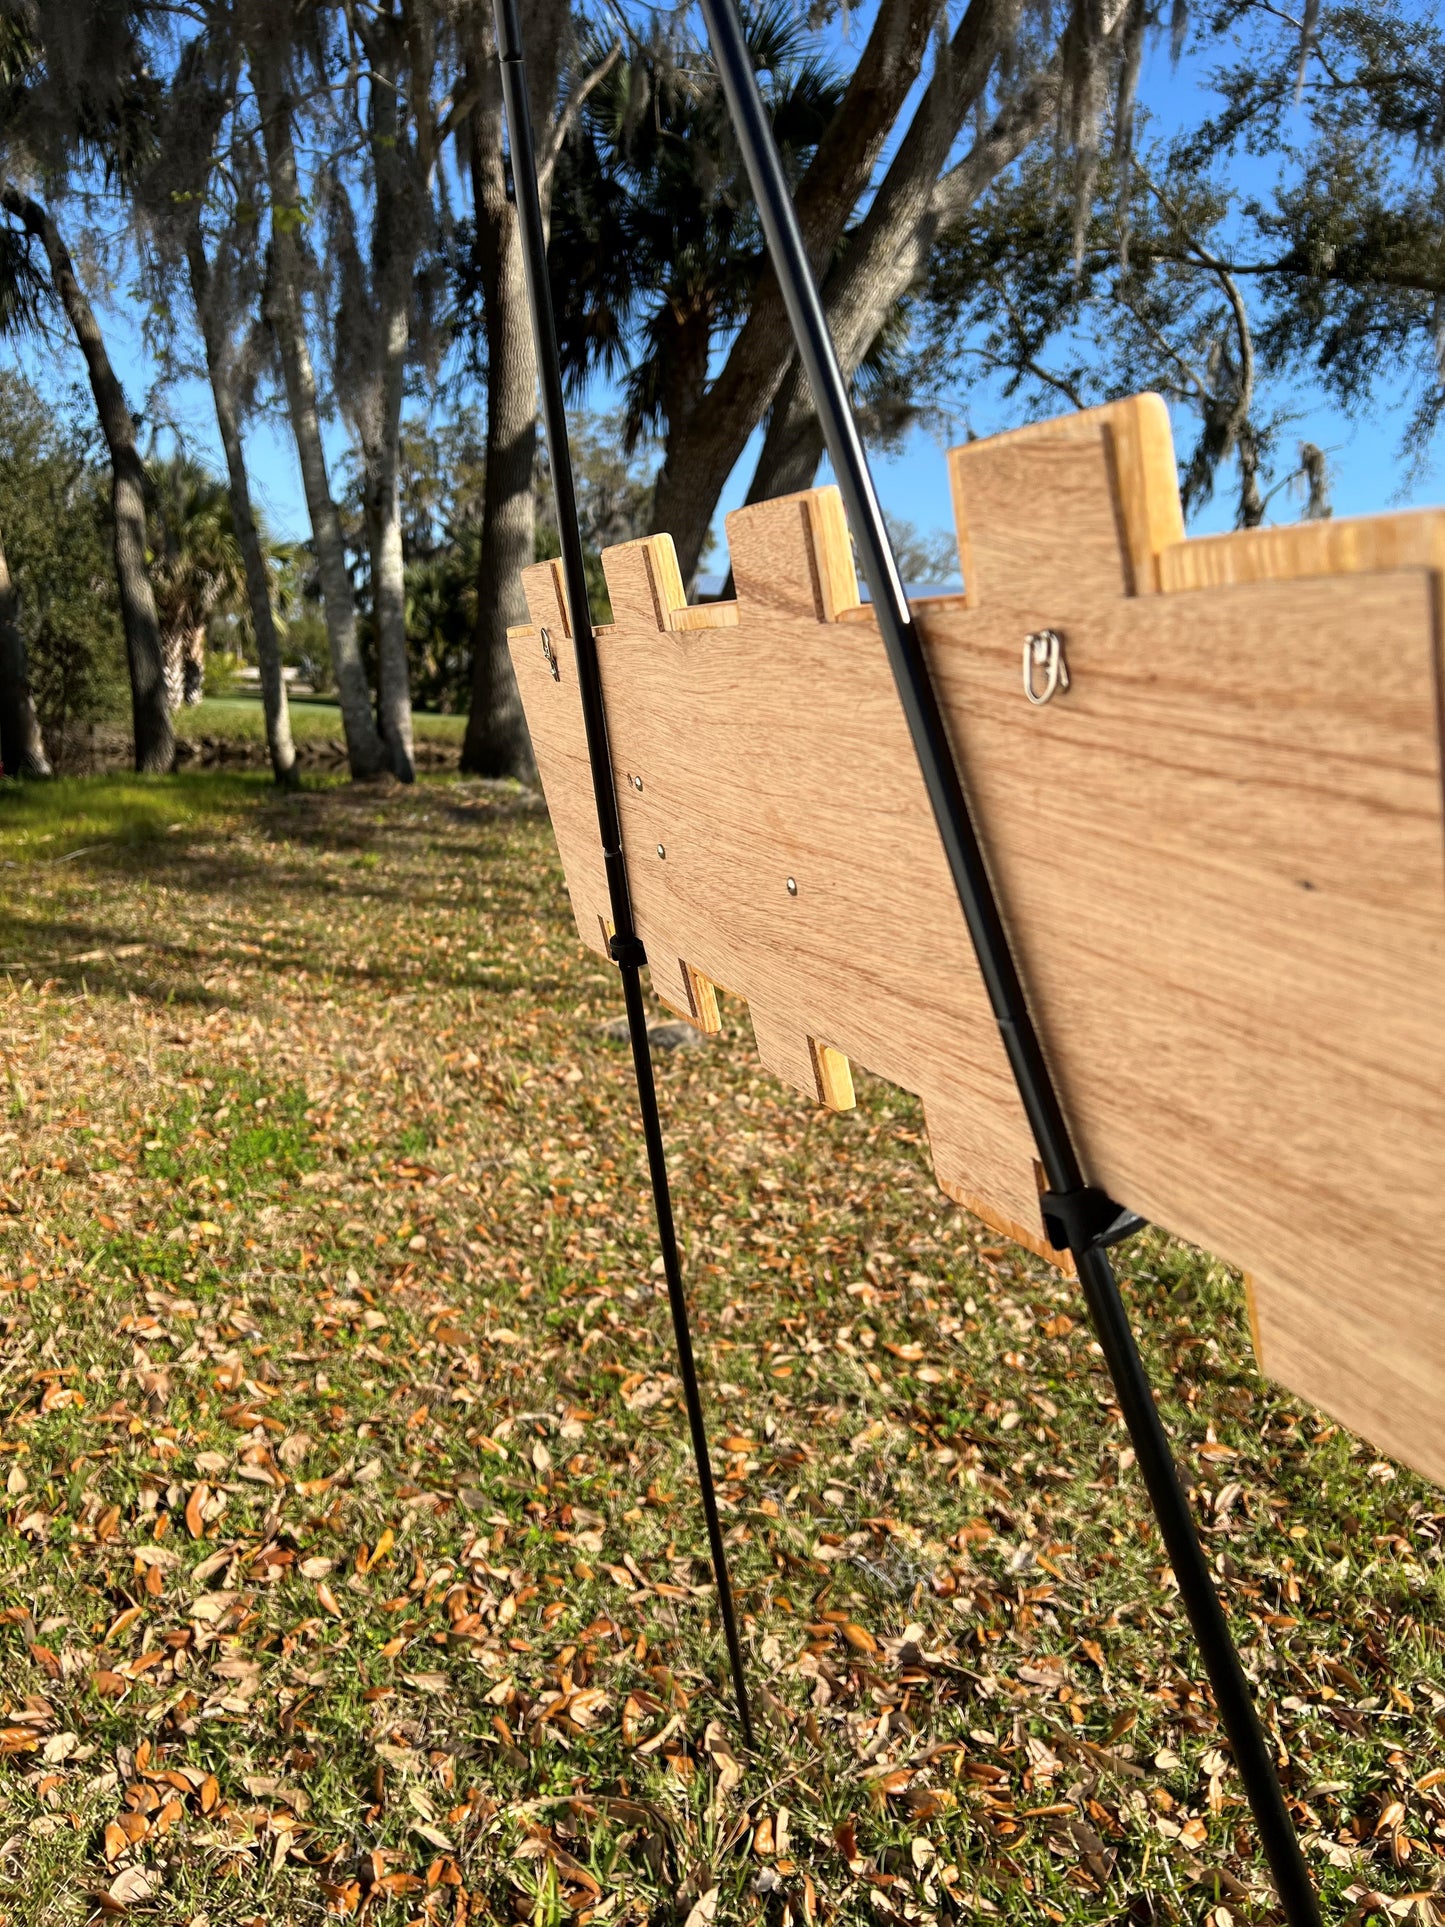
(627, 950)
(1086, 1219)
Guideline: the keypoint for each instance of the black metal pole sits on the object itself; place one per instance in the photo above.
(1077, 1215)
(627, 950)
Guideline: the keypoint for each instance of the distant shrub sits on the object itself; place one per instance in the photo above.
(55, 523)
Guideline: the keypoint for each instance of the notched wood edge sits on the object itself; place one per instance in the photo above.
(702, 996)
(835, 1076)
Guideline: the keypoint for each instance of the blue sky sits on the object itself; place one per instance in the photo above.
(1367, 474)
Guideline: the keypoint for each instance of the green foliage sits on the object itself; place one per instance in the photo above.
(655, 242)
(221, 679)
(442, 487)
(55, 522)
(1181, 275)
(196, 567)
(441, 609)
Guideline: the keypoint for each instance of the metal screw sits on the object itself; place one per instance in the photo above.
(551, 655)
(661, 851)
(637, 782)
(792, 886)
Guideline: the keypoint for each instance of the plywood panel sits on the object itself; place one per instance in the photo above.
(1219, 854)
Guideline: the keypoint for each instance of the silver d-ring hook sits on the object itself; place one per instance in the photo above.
(1045, 671)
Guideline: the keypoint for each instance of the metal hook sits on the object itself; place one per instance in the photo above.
(551, 654)
(1044, 650)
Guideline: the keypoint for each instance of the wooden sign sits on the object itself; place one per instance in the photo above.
(1218, 844)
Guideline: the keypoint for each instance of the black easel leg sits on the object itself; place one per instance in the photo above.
(627, 950)
(1170, 1501)
(682, 1334)
(1088, 1218)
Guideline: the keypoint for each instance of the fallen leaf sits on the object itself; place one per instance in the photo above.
(131, 1887)
(196, 1508)
(704, 1909)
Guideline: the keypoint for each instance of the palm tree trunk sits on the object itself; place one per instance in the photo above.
(388, 580)
(22, 747)
(793, 444)
(258, 582)
(155, 742)
(193, 664)
(366, 754)
(173, 657)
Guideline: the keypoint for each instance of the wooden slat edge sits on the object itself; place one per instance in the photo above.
(1414, 538)
(1140, 446)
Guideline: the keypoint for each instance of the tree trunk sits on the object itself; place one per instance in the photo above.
(398, 233)
(258, 580)
(888, 253)
(698, 460)
(366, 753)
(793, 445)
(155, 743)
(496, 742)
(22, 747)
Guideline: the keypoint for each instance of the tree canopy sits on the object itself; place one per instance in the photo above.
(1013, 208)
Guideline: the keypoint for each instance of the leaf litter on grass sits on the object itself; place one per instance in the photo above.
(351, 1563)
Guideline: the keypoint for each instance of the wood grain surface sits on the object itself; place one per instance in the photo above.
(1220, 856)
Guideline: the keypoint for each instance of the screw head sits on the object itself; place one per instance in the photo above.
(661, 851)
(792, 886)
(637, 782)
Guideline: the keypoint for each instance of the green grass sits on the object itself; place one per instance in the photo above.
(49, 822)
(346, 1481)
(239, 718)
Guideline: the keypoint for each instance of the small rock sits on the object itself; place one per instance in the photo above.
(677, 1036)
(665, 1036)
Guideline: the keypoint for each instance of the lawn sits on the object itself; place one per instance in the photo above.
(350, 1559)
(239, 718)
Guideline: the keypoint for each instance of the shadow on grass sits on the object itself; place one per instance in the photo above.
(178, 836)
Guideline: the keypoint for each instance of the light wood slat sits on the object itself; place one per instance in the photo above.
(1220, 856)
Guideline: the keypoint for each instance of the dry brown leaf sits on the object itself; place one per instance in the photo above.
(132, 1887)
(702, 1913)
(196, 1507)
